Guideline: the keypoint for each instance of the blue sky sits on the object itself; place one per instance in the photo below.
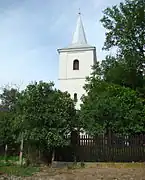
(31, 31)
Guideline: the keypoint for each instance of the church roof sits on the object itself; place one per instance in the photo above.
(79, 40)
(79, 36)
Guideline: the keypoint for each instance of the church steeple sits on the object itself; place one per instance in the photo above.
(79, 37)
(79, 40)
(75, 64)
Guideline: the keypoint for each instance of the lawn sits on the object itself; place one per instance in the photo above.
(18, 171)
(10, 167)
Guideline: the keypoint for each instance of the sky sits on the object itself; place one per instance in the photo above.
(31, 31)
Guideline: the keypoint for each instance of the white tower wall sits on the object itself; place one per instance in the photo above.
(73, 80)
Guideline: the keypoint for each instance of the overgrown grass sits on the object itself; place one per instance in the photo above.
(11, 158)
(9, 166)
(116, 165)
(18, 170)
(105, 165)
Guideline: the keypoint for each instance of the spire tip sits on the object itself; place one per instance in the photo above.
(79, 11)
(79, 37)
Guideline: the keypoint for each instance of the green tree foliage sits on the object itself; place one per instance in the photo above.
(45, 115)
(6, 133)
(124, 26)
(116, 70)
(8, 99)
(39, 116)
(109, 107)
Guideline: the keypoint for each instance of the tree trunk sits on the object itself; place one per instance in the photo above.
(39, 152)
(21, 151)
(6, 149)
(109, 137)
(53, 156)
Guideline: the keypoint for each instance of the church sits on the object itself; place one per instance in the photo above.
(75, 63)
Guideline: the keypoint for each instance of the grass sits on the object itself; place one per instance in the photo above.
(11, 167)
(11, 158)
(116, 165)
(105, 165)
(18, 170)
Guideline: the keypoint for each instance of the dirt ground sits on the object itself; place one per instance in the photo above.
(94, 173)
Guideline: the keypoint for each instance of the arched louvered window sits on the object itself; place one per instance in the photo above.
(75, 97)
(76, 64)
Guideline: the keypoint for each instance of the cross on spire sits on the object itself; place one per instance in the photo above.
(79, 11)
(79, 37)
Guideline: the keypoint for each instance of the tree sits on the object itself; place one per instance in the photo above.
(6, 135)
(115, 70)
(8, 99)
(125, 31)
(109, 107)
(115, 88)
(125, 27)
(46, 116)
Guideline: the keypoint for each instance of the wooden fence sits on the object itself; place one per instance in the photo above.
(104, 149)
(110, 148)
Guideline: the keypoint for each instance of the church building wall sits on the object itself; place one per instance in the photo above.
(75, 64)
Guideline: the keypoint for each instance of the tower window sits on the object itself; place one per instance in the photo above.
(75, 97)
(76, 64)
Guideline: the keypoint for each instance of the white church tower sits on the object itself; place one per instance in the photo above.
(75, 63)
